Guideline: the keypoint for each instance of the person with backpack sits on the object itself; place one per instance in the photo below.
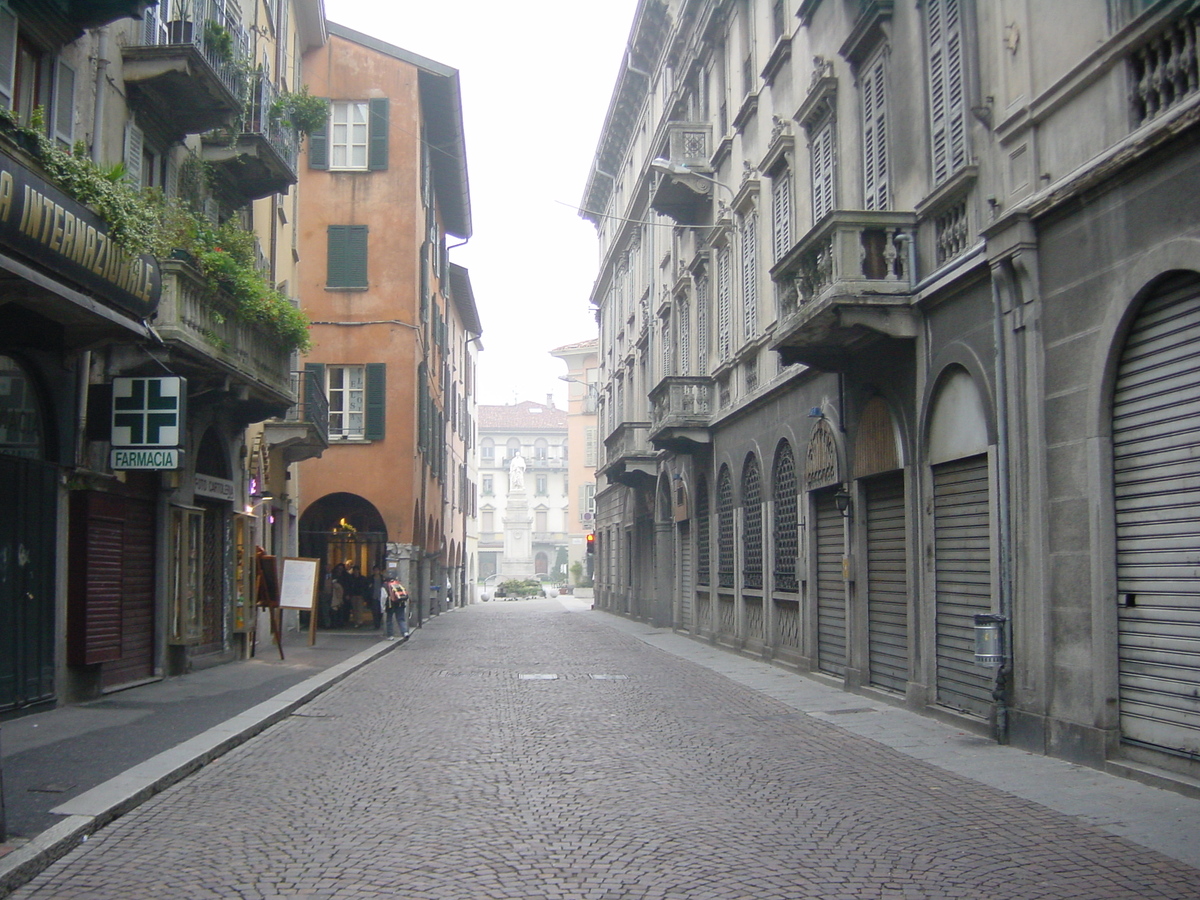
(394, 599)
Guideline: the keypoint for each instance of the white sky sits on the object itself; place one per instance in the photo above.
(536, 78)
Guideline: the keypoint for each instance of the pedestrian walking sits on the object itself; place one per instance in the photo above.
(394, 600)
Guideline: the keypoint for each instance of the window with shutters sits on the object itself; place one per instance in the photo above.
(487, 486)
(781, 212)
(724, 304)
(357, 395)
(355, 138)
(947, 88)
(725, 547)
(347, 260)
(589, 448)
(876, 194)
(702, 300)
(31, 76)
(749, 241)
(824, 161)
(347, 389)
(683, 314)
(752, 529)
(786, 520)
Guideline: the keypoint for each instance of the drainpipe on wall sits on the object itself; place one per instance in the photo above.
(1001, 688)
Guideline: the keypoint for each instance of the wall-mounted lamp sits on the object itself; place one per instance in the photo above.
(843, 502)
(815, 413)
(667, 167)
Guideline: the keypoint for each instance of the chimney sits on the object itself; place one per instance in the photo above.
(550, 400)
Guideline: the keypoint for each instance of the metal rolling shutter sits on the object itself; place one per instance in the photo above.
(1156, 429)
(962, 580)
(137, 597)
(887, 582)
(831, 586)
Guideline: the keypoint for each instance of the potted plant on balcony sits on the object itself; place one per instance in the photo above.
(180, 28)
(218, 41)
(300, 110)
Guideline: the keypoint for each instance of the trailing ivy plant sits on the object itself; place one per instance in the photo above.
(143, 221)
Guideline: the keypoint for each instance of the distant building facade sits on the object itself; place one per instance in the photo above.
(524, 492)
(898, 315)
(582, 361)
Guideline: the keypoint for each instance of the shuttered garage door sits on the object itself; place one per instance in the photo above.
(963, 578)
(887, 582)
(1156, 432)
(831, 587)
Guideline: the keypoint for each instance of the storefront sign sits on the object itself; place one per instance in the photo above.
(41, 223)
(145, 459)
(213, 487)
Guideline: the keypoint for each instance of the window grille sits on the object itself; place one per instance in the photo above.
(703, 569)
(725, 548)
(786, 525)
(752, 528)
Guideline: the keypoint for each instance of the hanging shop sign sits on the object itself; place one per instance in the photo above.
(147, 422)
(43, 224)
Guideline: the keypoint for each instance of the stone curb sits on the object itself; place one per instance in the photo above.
(95, 808)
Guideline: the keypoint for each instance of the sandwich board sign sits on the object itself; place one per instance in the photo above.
(148, 417)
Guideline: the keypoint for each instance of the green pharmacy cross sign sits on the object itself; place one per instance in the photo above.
(147, 422)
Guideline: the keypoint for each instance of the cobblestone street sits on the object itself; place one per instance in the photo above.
(527, 750)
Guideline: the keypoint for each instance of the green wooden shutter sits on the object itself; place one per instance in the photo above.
(347, 261)
(318, 148)
(376, 401)
(377, 134)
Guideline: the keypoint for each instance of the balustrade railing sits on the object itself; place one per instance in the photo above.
(1166, 69)
(681, 400)
(259, 120)
(207, 26)
(206, 321)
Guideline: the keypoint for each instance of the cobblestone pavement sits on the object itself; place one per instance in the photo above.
(521, 750)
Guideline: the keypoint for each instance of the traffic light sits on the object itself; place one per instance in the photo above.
(591, 542)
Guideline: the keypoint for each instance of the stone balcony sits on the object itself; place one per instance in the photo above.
(629, 457)
(844, 285)
(261, 159)
(303, 432)
(681, 407)
(210, 343)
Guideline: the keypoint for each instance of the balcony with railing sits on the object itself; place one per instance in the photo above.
(844, 285)
(628, 456)
(190, 73)
(303, 432)
(685, 198)
(681, 407)
(209, 340)
(260, 159)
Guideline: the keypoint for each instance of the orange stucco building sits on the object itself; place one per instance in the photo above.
(382, 188)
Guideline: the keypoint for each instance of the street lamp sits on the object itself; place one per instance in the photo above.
(674, 169)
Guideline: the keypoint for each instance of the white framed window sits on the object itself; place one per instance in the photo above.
(348, 135)
(876, 194)
(823, 170)
(487, 486)
(346, 389)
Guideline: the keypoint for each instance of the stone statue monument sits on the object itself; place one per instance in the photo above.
(516, 473)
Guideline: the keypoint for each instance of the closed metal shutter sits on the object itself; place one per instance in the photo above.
(962, 580)
(1156, 430)
(137, 598)
(831, 586)
(887, 582)
(686, 584)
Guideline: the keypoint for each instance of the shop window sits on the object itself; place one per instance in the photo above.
(20, 418)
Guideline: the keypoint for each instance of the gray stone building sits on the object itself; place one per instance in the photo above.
(897, 307)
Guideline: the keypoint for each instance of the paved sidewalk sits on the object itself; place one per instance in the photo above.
(70, 770)
(545, 751)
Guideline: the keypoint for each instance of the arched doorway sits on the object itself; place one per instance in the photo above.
(347, 533)
(1156, 482)
(28, 538)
